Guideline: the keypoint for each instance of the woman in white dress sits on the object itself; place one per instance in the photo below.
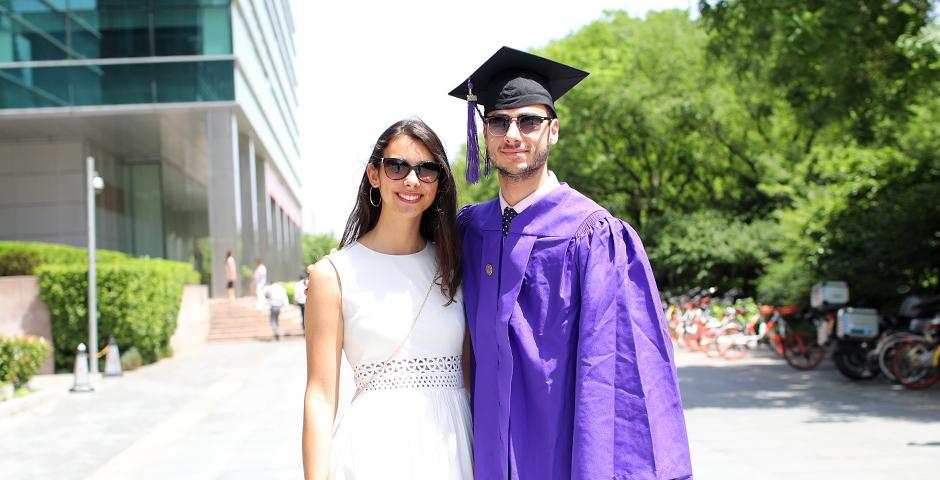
(390, 298)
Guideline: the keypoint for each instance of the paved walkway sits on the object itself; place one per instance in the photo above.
(233, 411)
(759, 418)
(225, 410)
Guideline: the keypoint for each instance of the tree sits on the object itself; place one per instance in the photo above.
(766, 147)
(316, 246)
(845, 63)
(484, 190)
(648, 132)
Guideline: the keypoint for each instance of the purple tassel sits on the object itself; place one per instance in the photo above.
(473, 148)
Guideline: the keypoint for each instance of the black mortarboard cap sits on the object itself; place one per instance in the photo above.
(510, 79)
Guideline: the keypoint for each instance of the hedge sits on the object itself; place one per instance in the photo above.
(21, 358)
(23, 258)
(138, 302)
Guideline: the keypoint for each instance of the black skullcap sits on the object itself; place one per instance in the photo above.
(512, 78)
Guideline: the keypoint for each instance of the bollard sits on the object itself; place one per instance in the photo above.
(112, 361)
(82, 380)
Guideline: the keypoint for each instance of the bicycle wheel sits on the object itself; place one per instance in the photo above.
(853, 361)
(801, 351)
(775, 342)
(730, 346)
(689, 341)
(913, 364)
(887, 351)
(708, 343)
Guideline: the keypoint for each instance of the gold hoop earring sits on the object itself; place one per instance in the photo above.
(374, 204)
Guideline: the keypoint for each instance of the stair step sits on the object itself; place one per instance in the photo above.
(243, 320)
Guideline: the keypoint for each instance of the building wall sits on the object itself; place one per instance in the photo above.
(23, 313)
(114, 53)
(265, 84)
(192, 322)
(226, 65)
(42, 187)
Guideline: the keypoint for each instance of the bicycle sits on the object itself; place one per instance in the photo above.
(736, 340)
(917, 363)
(802, 350)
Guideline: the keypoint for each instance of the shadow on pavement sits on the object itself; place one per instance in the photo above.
(763, 381)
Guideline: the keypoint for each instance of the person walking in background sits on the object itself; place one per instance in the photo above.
(300, 296)
(231, 274)
(260, 277)
(277, 299)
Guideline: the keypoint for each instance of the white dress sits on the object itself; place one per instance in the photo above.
(413, 420)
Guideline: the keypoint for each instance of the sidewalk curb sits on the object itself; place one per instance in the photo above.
(47, 388)
(21, 405)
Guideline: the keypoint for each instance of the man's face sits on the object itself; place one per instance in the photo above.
(519, 154)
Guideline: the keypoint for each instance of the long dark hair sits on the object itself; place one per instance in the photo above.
(438, 222)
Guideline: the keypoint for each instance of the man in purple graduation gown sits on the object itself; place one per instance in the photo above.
(574, 372)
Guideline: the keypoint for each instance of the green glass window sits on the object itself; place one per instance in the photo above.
(124, 33)
(31, 31)
(32, 88)
(61, 29)
(192, 31)
(216, 31)
(117, 84)
(193, 3)
(113, 84)
(195, 81)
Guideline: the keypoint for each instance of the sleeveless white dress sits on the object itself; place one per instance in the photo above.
(413, 420)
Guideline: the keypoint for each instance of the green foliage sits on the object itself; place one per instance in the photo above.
(846, 62)
(138, 302)
(653, 130)
(484, 190)
(289, 288)
(131, 359)
(767, 146)
(22, 258)
(711, 248)
(316, 246)
(21, 358)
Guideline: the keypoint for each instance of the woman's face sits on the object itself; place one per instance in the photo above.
(407, 197)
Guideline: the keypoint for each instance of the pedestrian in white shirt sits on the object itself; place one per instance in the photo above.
(260, 277)
(277, 298)
(300, 296)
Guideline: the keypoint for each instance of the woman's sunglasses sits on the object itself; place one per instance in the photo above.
(527, 124)
(397, 169)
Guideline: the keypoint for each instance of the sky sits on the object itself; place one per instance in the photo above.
(363, 66)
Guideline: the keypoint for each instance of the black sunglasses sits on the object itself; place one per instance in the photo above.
(397, 169)
(499, 124)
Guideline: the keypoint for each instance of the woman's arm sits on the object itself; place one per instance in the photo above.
(324, 322)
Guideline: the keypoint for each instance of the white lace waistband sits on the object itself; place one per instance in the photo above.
(411, 373)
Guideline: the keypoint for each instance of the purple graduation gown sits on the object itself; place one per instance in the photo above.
(574, 372)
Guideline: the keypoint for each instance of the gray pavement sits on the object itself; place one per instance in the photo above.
(225, 410)
(759, 418)
(234, 410)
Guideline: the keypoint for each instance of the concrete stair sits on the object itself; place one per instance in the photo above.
(242, 320)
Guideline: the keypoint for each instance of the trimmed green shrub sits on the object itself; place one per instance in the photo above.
(21, 358)
(138, 301)
(22, 258)
(289, 288)
(131, 359)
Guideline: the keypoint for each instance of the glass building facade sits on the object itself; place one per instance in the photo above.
(187, 107)
(70, 47)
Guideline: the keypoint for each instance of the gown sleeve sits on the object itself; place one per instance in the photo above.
(628, 419)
